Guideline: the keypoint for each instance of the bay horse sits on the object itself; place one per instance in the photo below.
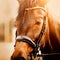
(36, 30)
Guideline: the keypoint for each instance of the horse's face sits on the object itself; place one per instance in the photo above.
(29, 25)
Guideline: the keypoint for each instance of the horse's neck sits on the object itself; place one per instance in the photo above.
(54, 31)
(51, 39)
(54, 26)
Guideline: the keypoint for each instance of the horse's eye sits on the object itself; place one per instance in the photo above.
(38, 23)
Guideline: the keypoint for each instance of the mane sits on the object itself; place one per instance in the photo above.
(54, 32)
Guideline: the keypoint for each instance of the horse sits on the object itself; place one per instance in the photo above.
(38, 33)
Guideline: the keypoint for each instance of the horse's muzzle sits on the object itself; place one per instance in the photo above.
(22, 58)
(18, 58)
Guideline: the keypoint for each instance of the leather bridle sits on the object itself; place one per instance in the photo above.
(36, 46)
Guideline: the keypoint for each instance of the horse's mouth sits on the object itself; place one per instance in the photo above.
(22, 58)
(18, 58)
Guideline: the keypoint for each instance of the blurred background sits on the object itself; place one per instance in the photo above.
(8, 13)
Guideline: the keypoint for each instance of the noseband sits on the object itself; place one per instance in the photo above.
(27, 40)
(36, 46)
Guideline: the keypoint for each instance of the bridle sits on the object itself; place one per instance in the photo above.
(36, 46)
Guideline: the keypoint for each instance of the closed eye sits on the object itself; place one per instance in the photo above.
(38, 23)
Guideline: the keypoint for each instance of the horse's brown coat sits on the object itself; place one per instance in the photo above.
(29, 23)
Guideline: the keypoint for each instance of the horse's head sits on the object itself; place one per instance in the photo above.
(30, 23)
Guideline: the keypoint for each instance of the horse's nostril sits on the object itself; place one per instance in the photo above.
(22, 58)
